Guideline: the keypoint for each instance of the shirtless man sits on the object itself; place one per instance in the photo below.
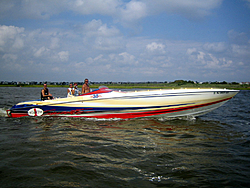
(85, 86)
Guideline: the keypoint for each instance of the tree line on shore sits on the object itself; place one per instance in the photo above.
(148, 84)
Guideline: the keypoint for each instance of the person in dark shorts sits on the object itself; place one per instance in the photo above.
(45, 94)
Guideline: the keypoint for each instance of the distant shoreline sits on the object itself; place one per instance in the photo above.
(148, 86)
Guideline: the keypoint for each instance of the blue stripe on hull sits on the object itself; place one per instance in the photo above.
(49, 109)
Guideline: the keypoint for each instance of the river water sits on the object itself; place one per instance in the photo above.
(212, 150)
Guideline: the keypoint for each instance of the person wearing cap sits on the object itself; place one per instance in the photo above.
(77, 92)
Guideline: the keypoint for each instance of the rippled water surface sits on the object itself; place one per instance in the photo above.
(210, 151)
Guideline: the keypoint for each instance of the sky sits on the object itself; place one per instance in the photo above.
(125, 40)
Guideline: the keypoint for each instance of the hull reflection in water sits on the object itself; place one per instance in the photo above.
(105, 103)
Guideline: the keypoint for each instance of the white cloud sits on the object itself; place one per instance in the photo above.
(212, 62)
(207, 60)
(18, 43)
(105, 7)
(201, 57)
(36, 9)
(97, 28)
(215, 47)
(108, 55)
(156, 47)
(128, 13)
(191, 51)
(33, 9)
(132, 12)
(241, 50)
(101, 37)
(63, 55)
(191, 9)
(127, 58)
(226, 63)
(238, 38)
(55, 43)
(98, 45)
(10, 57)
(43, 51)
(241, 63)
(11, 34)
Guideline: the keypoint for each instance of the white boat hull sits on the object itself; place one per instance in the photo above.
(106, 103)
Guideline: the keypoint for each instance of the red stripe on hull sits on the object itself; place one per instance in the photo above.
(17, 115)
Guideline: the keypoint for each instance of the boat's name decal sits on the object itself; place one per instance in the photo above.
(78, 111)
(95, 96)
(35, 112)
(221, 92)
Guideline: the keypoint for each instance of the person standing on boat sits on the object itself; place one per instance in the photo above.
(45, 94)
(85, 86)
(77, 92)
(71, 91)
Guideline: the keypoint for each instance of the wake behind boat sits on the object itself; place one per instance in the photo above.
(106, 103)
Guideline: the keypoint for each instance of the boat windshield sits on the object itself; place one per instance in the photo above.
(103, 87)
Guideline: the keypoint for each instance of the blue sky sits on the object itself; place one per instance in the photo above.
(118, 40)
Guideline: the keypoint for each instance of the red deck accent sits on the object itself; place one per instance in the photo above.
(102, 90)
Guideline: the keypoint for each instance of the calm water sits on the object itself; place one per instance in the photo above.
(210, 151)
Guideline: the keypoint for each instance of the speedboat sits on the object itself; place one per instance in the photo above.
(105, 103)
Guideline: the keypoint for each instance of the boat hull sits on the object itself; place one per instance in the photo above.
(108, 104)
